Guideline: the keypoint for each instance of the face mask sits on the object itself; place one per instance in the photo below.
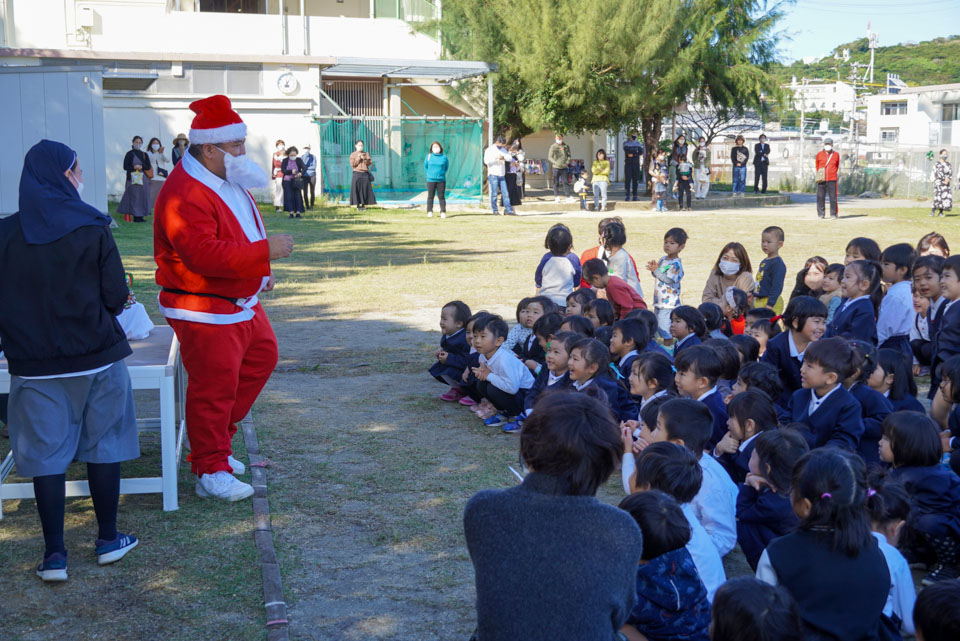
(729, 268)
(763, 140)
(828, 147)
(279, 147)
(241, 170)
(155, 146)
(435, 150)
(79, 185)
(136, 145)
(944, 156)
(681, 141)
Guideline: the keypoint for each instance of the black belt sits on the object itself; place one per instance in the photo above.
(180, 291)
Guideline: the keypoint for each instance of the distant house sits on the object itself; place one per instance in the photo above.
(925, 116)
(822, 96)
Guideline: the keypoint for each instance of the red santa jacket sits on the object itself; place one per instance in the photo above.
(200, 247)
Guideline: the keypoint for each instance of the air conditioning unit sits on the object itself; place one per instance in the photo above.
(86, 18)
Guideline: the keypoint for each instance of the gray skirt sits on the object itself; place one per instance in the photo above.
(135, 200)
(84, 418)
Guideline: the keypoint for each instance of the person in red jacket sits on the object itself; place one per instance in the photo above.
(828, 160)
(213, 259)
(621, 295)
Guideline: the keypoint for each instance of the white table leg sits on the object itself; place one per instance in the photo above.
(168, 443)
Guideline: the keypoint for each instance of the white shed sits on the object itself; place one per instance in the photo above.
(58, 103)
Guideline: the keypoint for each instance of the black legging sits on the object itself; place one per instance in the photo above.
(440, 188)
(50, 490)
(683, 187)
(512, 404)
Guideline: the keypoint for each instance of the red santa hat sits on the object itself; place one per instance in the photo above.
(216, 121)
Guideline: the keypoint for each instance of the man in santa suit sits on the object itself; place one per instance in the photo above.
(213, 258)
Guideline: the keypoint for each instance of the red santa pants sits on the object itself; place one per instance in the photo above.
(227, 366)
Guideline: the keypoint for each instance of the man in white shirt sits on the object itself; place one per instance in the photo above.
(496, 158)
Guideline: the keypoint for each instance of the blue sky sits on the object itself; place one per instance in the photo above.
(817, 26)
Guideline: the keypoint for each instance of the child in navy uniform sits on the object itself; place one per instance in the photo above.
(895, 315)
(749, 413)
(805, 320)
(829, 411)
(629, 337)
(831, 565)
(861, 248)
(764, 511)
(468, 381)
(698, 369)
(552, 377)
(532, 350)
(687, 327)
(453, 352)
(589, 365)
(857, 315)
(651, 322)
(946, 341)
(578, 300)
(672, 601)
(911, 443)
(894, 379)
(874, 407)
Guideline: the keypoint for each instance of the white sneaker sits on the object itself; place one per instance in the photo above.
(429, 214)
(442, 215)
(222, 485)
(556, 199)
(571, 199)
(236, 466)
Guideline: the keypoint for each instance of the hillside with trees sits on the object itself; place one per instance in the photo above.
(932, 62)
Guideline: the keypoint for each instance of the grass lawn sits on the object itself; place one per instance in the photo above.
(370, 470)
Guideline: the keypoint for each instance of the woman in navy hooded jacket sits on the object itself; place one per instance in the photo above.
(70, 393)
(435, 165)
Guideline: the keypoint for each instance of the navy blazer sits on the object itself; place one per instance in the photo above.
(455, 345)
(530, 349)
(907, 404)
(946, 342)
(617, 398)
(718, 409)
(778, 355)
(625, 366)
(738, 465)
(874, 408)
(654, 346)
(838, 420)
(858, 320)
(692, 340)
(761, 517)
(934, 493)
(540, 385)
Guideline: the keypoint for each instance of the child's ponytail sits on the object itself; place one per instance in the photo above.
(887, 502)
(864, 360)
(834, 481)
(871, 271)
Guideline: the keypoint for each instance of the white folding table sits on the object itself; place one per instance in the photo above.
(154, 365)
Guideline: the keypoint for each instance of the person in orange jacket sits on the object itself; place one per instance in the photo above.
(828, 160)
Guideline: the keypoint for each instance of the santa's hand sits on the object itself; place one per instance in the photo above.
(270, 283)
(281, 246)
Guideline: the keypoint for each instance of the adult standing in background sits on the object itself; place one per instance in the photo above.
(496, 157)
(701, 169)
(361, 185)
(828, 168)
(560, 157)
(70, 392)
(309, 177)
(435, 166)
(761, 162)
(739, 156)
(293, 183)
(213, 259)
(278, 157)
(942, 175)
(135, 202)
(180, 144)
(158, 162)
(678, 154)
(514, 174)
(632, 162)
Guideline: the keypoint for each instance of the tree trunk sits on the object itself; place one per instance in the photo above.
(650, 126)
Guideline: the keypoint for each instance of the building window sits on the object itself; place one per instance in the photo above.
(893, 108)
(891, 134)
(951, 112)
(233, 6)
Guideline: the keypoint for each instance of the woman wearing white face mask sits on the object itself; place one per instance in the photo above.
(278, 158)
(732, 269)
(828, 167)
(942, 174)
(159, 164)
(135, 203)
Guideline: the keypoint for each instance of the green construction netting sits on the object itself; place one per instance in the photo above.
(398, 149)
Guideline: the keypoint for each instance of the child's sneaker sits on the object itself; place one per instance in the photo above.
(112, 551)
(497, 420)
(452, 395)
(468, 402)
(487, 413)
(53, 568)
(514, 426)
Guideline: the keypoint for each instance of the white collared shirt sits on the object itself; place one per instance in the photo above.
(743, 444)
(850, 302)
(708, 393)
(794, 353)
(681, 342)
(716, 504)
(644, 401)
(896, 312)
(553, 378)
(507, 372)
(815, 402)
(632, 352)
(577, 385)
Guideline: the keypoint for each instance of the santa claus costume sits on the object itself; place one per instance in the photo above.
(213, 258)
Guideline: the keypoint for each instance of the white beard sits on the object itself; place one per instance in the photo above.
(241, 170)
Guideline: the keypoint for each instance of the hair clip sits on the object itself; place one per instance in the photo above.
(870, 492)
(776, 319)
(826, 495)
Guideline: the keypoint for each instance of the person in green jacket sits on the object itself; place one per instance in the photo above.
(701, 169)
(601, 180)
(435, 165)
(559, 157)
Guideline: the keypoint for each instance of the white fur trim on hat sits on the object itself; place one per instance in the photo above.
(227, 133)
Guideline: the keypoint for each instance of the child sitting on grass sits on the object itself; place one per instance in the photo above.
(749, 413)
(553, 377)
(672, 600)
(600, 313)
(589, 365)
(698, 369)
(747, 609)
(502, 379)
(454, 349)
(628, 338)
(832, 415)
(687, 327)
(578, 300)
